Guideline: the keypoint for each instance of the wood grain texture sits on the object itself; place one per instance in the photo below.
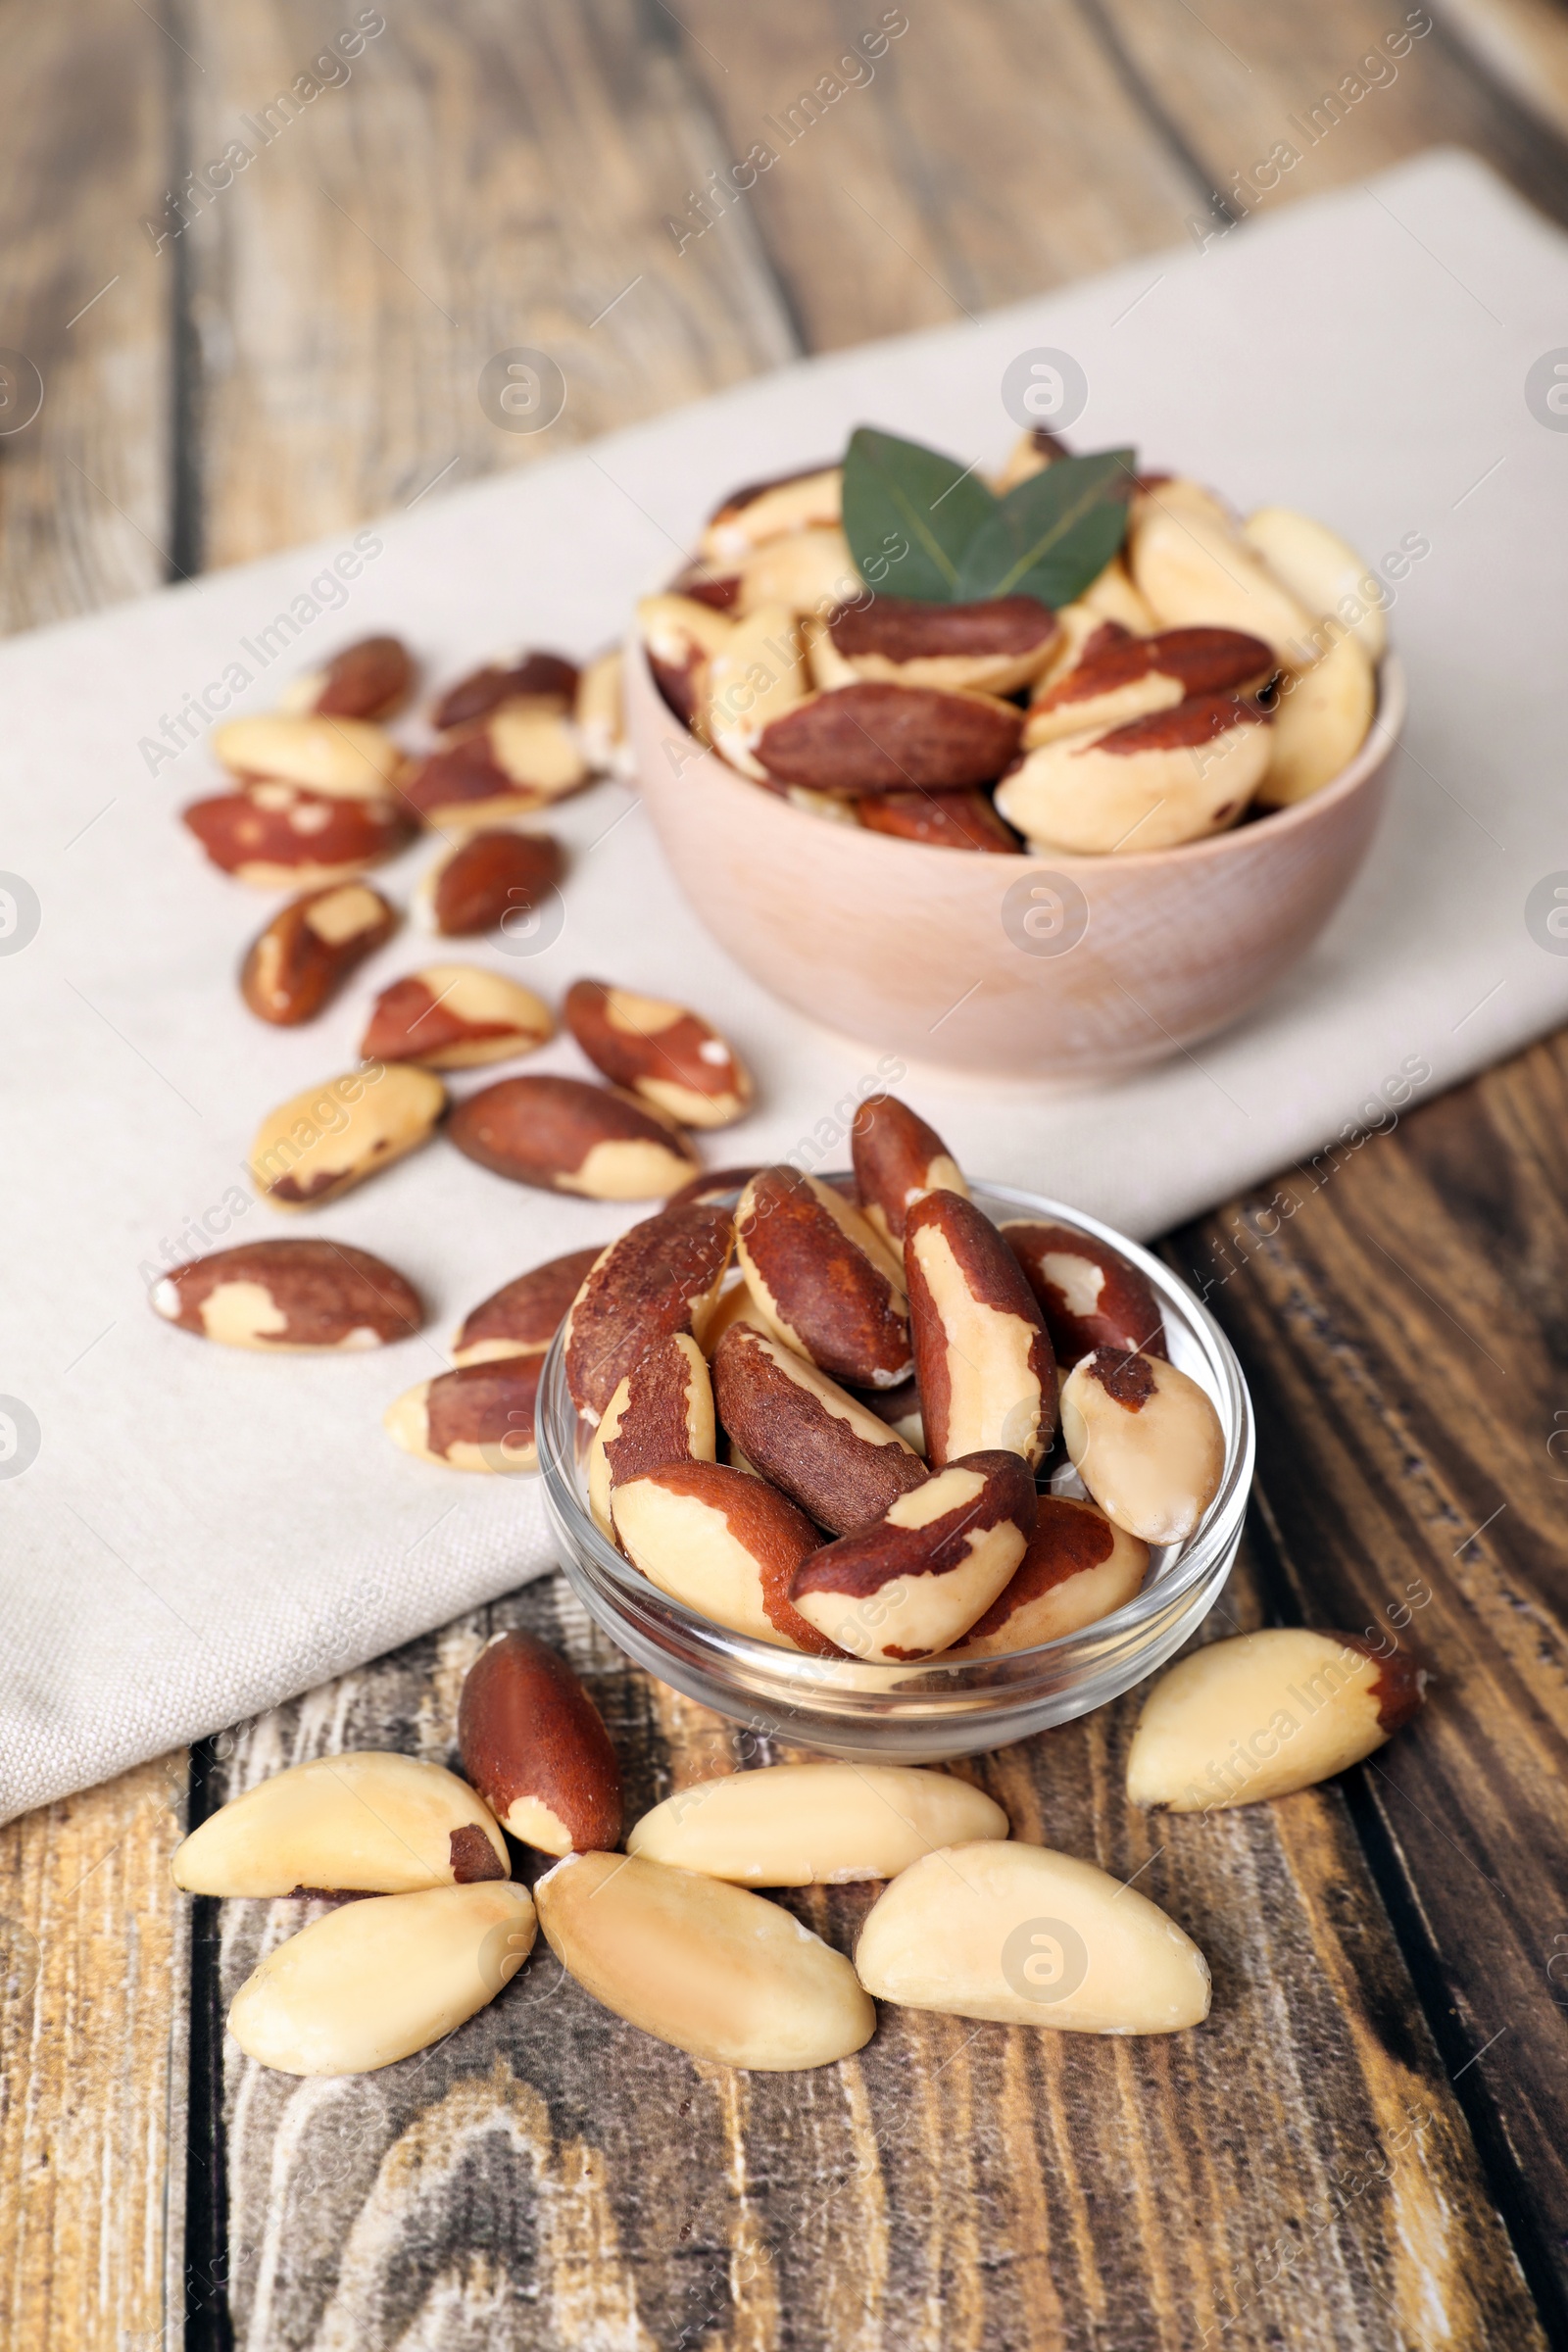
(488, 178)
(1399, 1311)
(1298, 2168)
(1523, 44)
(84, 129)
(1239, 81)
(874, 212)
(94, 1966)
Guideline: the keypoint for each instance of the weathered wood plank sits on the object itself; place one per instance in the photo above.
(1521, 43)
(83, 150)
(877, 213)
(550, 2175)
(92, 2064)
(1402, 1328)
(486, 177)
(1345, 89)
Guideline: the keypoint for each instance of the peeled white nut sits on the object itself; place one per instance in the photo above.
(1145, 1439)
(1321, 569)
(1178, 494)
(1263, 1715)
(1176, 775)
(368, 1823)
(806, 571)
(378, 1980)
(814, 1824)
(756, 674)
(319, 1143)
(1029, 1937)
(1320, 722)
(1193, 571)
(703, 1965)
(1112, 596)
(346, 759)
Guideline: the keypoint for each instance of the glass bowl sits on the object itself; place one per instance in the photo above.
(879, 1713)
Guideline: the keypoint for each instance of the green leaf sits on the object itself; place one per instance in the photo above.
(909, 515)
(1052, 535)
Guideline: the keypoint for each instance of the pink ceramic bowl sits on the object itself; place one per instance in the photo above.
(1020, 967)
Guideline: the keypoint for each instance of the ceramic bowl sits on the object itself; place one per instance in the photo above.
(1021, 968)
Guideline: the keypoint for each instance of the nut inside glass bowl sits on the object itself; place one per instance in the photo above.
(903, 1713)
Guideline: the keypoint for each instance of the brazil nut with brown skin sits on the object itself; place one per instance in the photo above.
(523, 1316)
(992, 647)
(662, 1411)
(1126, 679)
(898, 1159)
(479, 1417)
(278, 837)
(664, 1275)
(914, 1581)
(547, 680)
(493, 879)
(877, 737)
(982, 1354)
(315, 1147)
(285, 1296)
(1078, 1568)
(823, 1278)
(341, 759)
(455, 1016)
(535, 1748)
(940, 821)
(568, 1137)
(802, 1432)
(295, 967)
(725, 1543)
(1089, 1294)
(520, 758)
(667, 1055)
(370, 679)
(1146, 1440)
(1173, 776)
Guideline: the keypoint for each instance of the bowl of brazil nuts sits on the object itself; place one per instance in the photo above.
(1050, 776)
(696, 1498)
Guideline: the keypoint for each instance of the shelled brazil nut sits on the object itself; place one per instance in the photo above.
(1074, 654)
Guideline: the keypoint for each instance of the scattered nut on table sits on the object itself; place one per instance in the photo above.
(290, 1297)
(371, 1823)
(319, 1143)
(661, 1052)
(701, 1964)
(478, 1417)
(494, 878)
(522, 1318)
(535, 1748)
(1031, 1938)
(281, 837)
(814, 1824)
(370, 679)
(568, 1137)
(1265, 1714)
(379, 1980)
(455, 1016)
(295, 967)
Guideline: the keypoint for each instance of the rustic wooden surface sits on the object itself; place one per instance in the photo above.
(1366, 2143)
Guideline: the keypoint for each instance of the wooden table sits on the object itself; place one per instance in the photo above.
(1368, 2145)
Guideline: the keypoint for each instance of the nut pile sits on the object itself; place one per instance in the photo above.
(1166, 672)
(833, 1443)
(672, 1934)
